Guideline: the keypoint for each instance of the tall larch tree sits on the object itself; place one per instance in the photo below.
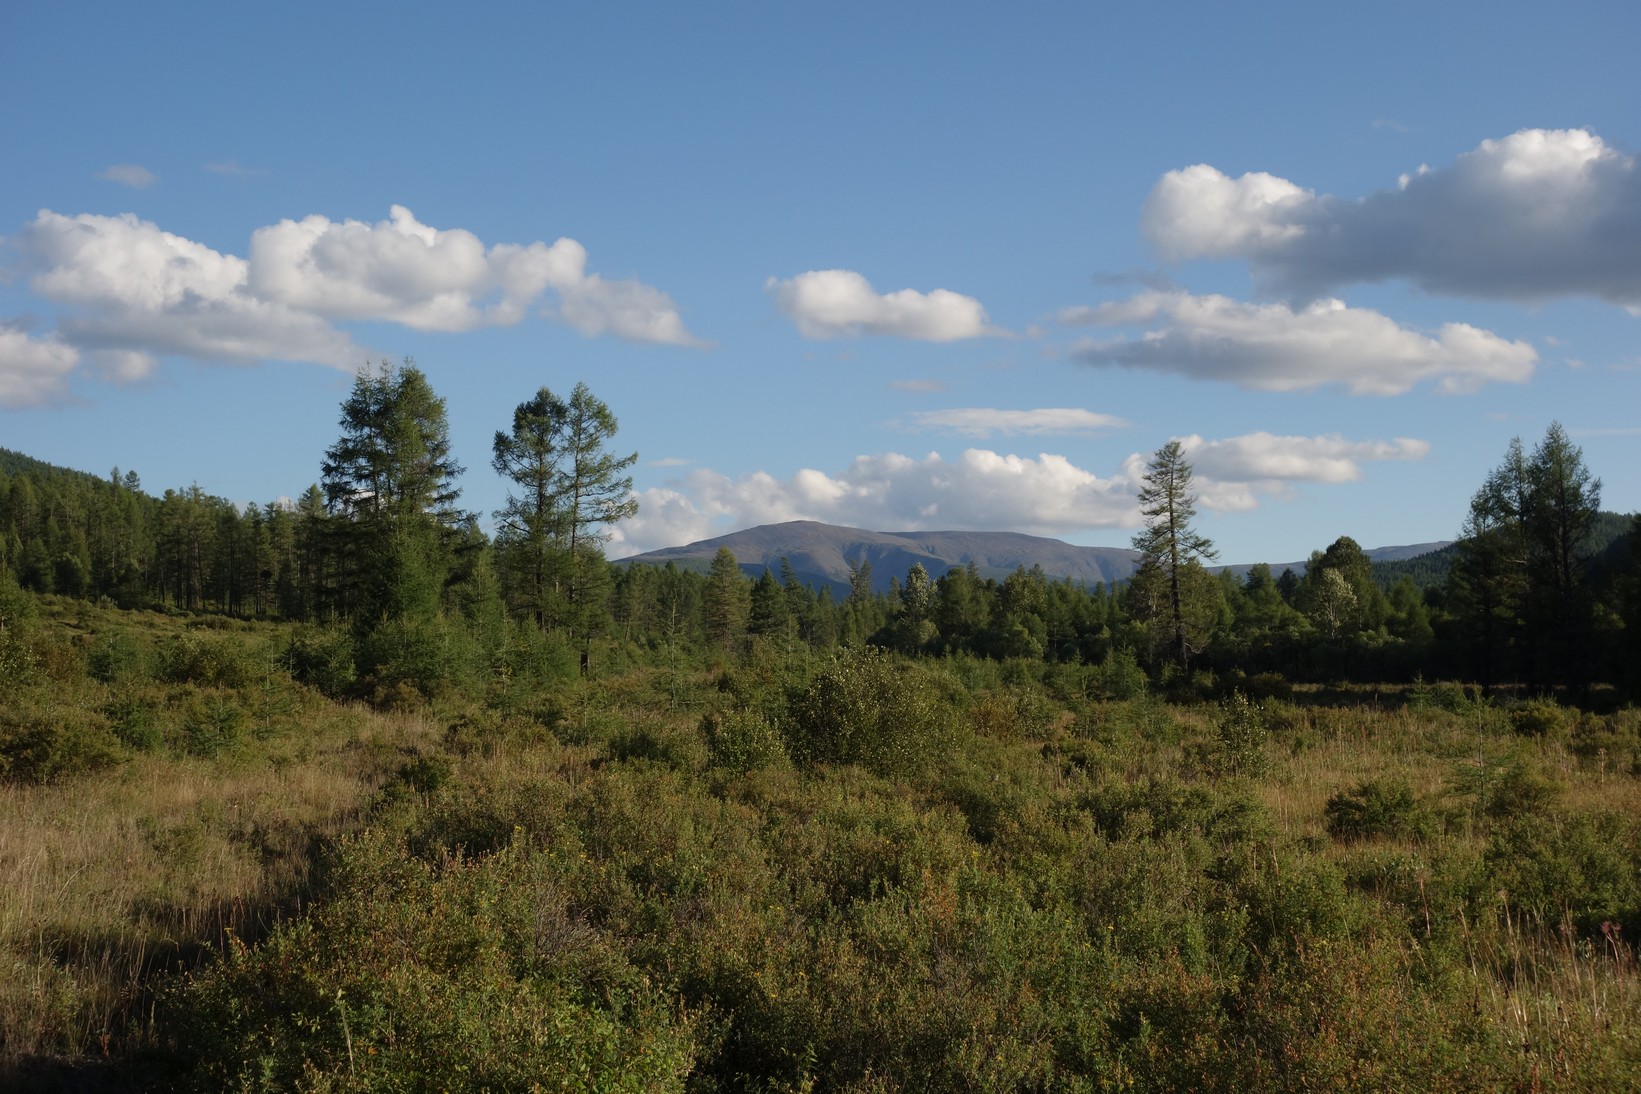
(531, 526)
(595, 491)
(1169, 544)
(392, 480)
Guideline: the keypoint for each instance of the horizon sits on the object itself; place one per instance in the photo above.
(928, 268)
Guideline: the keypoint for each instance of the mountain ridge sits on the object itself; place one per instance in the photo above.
(821, 554)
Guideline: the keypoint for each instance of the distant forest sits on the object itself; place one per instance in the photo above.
(1542, 591)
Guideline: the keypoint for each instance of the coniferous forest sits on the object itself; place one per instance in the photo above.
(370, 792)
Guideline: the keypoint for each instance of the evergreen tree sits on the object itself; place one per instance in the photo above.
(1565, 503)
(392, 481)
(570, 488)
(726, 603)
(769, 614)
(1518, 582)
(530, 527)
(1169, 544)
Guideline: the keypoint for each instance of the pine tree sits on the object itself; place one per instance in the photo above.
(570, 489)
(391, 479)
(726, 602)
(1168, 542)
(531, 525)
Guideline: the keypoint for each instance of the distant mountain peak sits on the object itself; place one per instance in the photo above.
(821, 554)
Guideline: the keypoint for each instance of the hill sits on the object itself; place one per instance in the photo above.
(823, 554)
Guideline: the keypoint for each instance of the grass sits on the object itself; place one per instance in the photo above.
(151, 860)
(657, 875)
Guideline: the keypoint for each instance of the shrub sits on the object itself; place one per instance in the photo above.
(220, 661)
(1504, 786)
(1584, 866)
(135, 721)
(657, 744)
(871, 709)
(322, 658)
(212, 724)
(115, 657)
(1453, 698)
(40, 742)
(1270, 685)
(1538, 718)
(742, 740)
(1377, 807)
(1240, 735)
(459, 974)
(1120, 676)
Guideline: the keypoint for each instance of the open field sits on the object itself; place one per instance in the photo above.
(795, 872)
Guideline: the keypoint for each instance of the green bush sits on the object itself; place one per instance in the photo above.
(1120, 676)
(742, 740)
(657, 743)
(322, 658)
(1377, 807)
(455, 974)
(1451, 697)
(1584, 866)
(219, 661)
(1539, 718)
(42, 741)
(212, 724)
(135, 720)
(115, 657)
(19, 664)
(869, 708)
(1240, 735)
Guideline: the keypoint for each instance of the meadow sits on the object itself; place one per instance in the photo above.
(795, 871)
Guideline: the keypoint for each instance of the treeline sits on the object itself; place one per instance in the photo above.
(1541, 591)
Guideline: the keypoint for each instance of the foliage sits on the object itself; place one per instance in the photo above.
(390, 477)
(569, 488)
(1375, 808)
(742, 740)
(869, 709)
(418, 973)
(1240, 736)
(1169, 544)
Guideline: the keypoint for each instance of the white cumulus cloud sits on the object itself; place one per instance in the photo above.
(33, 371)
(1538, 214)
(428, 278)
(139, 289)
(988, 422)
(835, 303)
(132, 292)
(1275, 347)
(1232, 473)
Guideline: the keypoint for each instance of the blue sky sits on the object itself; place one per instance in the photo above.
(894, 266)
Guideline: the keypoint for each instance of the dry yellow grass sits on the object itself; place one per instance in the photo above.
(115, 876)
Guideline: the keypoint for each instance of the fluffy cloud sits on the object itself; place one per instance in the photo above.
(33, 371)
(980, 489)
(833, 303)
(142, 290)
(135, 291)
(1232, 474)
(404, 271)
(985, 422)
(1274, 347)
(1047, 495)
(129, 174)
(1539, 214)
